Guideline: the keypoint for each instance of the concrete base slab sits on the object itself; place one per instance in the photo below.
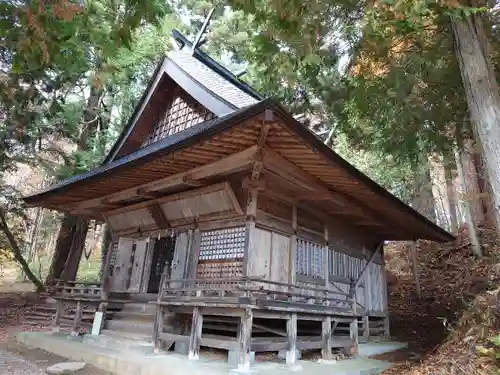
(233, 357)
(120, 363)
(181, 347)
(376, 348)
(113, 343)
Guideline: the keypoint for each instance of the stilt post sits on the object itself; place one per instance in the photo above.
(245, 340)
(195, 338)
(353, 328)
(326, 333)
(291, 331)
(158, 328)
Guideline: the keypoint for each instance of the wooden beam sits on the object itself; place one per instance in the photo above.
(231, 164)
(158, 216)
(188, 180)
(293, 247)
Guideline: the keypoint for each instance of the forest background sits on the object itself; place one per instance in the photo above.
(405, 90)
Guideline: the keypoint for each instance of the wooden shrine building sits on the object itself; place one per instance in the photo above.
(233, 224)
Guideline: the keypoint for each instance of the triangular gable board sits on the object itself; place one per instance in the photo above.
(183, 92)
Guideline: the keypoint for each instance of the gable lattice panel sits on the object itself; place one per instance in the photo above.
(180, 114)
(310, 258)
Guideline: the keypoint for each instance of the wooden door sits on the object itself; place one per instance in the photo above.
(163, 254)
(180, 256)
(259, 253)
(280, 263)
(138, 261)
(121, 269)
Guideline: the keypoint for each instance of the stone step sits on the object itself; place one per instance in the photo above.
(120, 343)
(127, 335)
(140, 307)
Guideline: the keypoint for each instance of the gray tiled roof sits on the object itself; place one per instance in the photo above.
(211, 80)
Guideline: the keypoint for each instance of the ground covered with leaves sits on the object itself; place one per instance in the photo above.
(448, 329)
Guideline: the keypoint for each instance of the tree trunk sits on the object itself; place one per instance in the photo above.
(471, 228)
(473, 193)
(483, 99)
(106, 240)
(452, 199)
(16, 251)
(422, 200)
(77, 247)
(68, 246)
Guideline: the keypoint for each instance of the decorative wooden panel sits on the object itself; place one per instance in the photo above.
(140, 218)
(220, 269)
(222, 244)
(310, 258)
(181, 113)
(274, 207)
(215, 199)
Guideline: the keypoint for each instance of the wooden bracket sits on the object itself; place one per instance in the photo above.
(258, 185)
(158, 216)
(188, 180)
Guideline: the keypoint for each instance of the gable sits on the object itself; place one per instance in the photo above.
(183, 92)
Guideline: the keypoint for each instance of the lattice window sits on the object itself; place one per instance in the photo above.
(344, 265)
(222, 244)
(310, 258)
(180, 114)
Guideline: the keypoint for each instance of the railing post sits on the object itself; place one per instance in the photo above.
(77, 319)
(56, 324)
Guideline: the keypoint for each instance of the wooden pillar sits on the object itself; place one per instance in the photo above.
(414, 264)
(326, 333)
(194, 253)
(245, 340)
(291, 334)
(251, 212)
(158, 328)
(105, 287)
(56, 323)
(293, 247)
(77, 319)
(195, 338)
(327, 259)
